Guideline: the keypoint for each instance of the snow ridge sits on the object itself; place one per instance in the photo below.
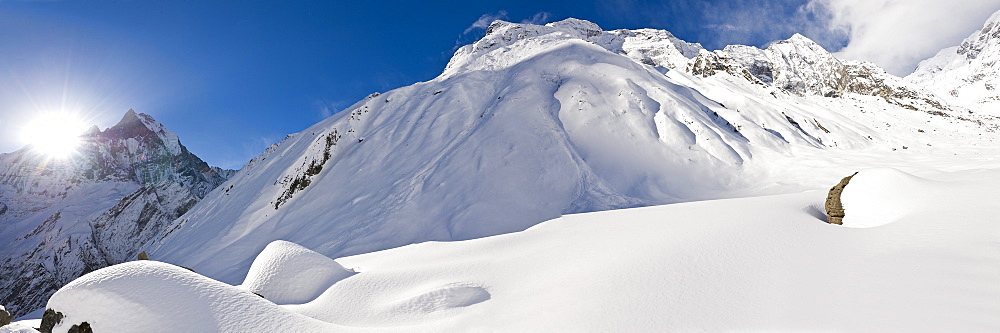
(967, 74)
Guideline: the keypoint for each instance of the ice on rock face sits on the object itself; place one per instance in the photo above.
(287, 273)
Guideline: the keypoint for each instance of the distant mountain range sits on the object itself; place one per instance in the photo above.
(61, 218)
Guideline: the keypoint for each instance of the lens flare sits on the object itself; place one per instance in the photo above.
(56, 135)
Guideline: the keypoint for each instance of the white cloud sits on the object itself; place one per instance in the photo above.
(484, 21)
(539, 18)
(898, 34)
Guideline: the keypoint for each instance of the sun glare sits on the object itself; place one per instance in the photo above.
(56, 135)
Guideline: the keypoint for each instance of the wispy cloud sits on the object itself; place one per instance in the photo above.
(477, 29)
(484, 21)
(538, 18)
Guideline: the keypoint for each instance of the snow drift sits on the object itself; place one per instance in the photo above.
(150, 296)
(759, 263)
(287, 273)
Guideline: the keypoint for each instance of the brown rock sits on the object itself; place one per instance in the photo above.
(83, 327)
(5, 317)
(143, 256)
(834, 208)
(50, 319)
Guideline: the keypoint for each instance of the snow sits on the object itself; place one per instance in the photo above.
(287, 273)
(150, 296)
(501, 196)
(528, 124)
(759, 263)
(22, 326)
(968, 74)
(877, 197)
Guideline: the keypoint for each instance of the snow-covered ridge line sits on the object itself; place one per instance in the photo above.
(797, 65)
(967, 74)
(649, 46)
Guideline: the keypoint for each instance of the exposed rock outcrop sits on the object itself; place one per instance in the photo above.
(50, 319)
(834, 208)
(4, 316)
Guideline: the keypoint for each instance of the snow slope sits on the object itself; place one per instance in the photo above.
(968, 74)
(533, 122)
(761, 263)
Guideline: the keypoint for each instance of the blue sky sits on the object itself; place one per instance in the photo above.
(231, 77)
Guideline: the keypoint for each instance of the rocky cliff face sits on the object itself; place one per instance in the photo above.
(62, 218)
(967, 74)
(800, 66)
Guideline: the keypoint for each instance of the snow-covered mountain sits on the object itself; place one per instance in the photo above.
(61, 218)
(535, 121)
(968, 74)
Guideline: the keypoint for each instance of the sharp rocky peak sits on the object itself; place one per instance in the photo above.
(141, 126)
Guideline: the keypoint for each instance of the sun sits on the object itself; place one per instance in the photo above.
(56, 135)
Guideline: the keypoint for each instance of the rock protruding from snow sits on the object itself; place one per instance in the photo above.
(5, 316)
(287, 273)
(881, 196)
(151, 296)
(834, 207)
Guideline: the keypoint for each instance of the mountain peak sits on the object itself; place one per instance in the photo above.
(582, 27)
(128, 118)
(135, 125)
(801, 41)
(93, 130)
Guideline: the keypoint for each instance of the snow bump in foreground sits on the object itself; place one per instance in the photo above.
(151, 296)
(880, 196)
(287, 273)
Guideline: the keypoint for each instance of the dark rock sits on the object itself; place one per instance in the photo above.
(5, 317)
(143, 256)
(834, 208)
(84, 327)
(50, 319)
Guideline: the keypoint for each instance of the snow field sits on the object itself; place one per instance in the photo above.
(734, 264)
